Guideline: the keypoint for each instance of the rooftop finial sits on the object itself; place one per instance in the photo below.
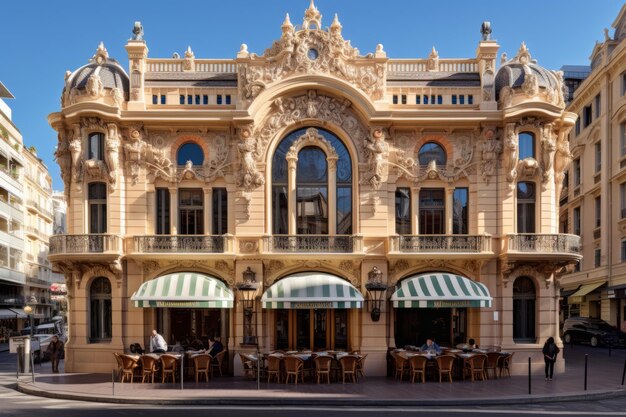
(523, 55)
(336, 23)
(138, 32)
(287, 26)
(312, 17)
(189, 52)
(485, 30)
(101, 54)
(433, 53)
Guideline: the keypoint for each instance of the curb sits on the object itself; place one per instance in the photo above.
(27, 388)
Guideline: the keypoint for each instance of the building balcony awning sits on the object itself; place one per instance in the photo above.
(312, 290)
(440, 289)
(579, 296)
(184, 290)
(7, 313)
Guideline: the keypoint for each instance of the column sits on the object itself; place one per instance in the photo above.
(449, 203)
(208, 210)
(415, 210)
(151, 210)
(173, 210)
(332, 195)
(292, 162)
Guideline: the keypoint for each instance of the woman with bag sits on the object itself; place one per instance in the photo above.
(550, 351)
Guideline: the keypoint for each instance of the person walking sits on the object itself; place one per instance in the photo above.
(54, 351)
(550, 351)
(157, 343)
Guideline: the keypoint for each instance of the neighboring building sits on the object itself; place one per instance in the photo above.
(594, 205)
(12, 278)
(573, 76)
(59, 211)
(320, 176)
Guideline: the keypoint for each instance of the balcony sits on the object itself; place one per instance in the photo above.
(543, 246)
(34, 281)
(67, 247)
(181, 244)
(442, 245)
(324, 244)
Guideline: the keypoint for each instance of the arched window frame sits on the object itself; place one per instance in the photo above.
(524, 310)
(197, 152)
(100, 310)
(95, 146)
(430, 146)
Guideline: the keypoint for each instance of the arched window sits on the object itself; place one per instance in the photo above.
(96, 146)
(524, 310)
(526, 207)
(432, 151)
(100, 310)
(313, 181)
(97, 195)
(190, 152)
(526, 145)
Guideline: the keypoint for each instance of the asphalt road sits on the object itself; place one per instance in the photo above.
(15, 404)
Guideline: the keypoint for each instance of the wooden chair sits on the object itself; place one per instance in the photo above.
(492, 364)
(323, 367)
(445, 366)
(418, 367)
(475, 366)
(294, 366)
(348, 367)
(129, 364)
(360, 365)
(504, 365)
(273, 367)
(148, 368)
(249, 370)
(168, 367)
(202, 365)
(216, 363)
(120, 365)
(400, 365)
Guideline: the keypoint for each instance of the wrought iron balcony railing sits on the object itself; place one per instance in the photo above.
(81, 244)
(441, 243)
(180, 244)
(544, 243)
(312, 243)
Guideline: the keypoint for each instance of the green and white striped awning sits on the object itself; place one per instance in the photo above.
(312, 290)
(184, 290)
(440, 289)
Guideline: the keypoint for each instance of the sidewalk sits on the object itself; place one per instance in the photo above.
(604, 380)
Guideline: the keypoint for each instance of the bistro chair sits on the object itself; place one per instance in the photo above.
(202, 365)
(348, 367)
(504, 365)
(129, 364)
(360, 365)
(445, 365)
(294, 366)
(323, 365)
(492, 364)
(475, 366)
(168, 367)
(148, 367)
(216, 363)
(249, 370)
(418, 367)
(273, 367)
(120, 364)
(400, 365)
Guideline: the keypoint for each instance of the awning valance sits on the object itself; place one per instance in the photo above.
(8, 313)
(312, 290)
(579, 295)
(184, 290)
(440, 289)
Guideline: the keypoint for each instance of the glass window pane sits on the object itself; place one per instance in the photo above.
(312, 166)
(344, 210)
(432, 151)
(526, 145)
(303, 335)
(403, 211)
(163, 211)
(341, 329)
(190, 152)
(432, 211)
(220, 211)
(279, 210)
(459, 211)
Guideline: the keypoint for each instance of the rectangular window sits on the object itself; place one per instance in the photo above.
(96, 146)
(624, 83)
(470, 99)
(280, 225)
(219, 99)
(197, 99)
(417, 99)
(182, 99)
(227, 98)
(598, 205)
(459, 211)
(622, 139)
(587, 116)
(576, 169)
(403, 211)
(597, 256)
(432, 211)
(163, 99)
(220, 211)
(622, 199)
(190, 212)
(623, 250)
(597, 106)
(439, 99)
(403, 98)
(205, 99)
(432, 99)
(462, 99)
(97, 207)
(425, 99)
(598, 153)
(189, 99)
(394, 99)
(155, 99)
(453, 98)
(162, 211)
(576, 221)
(577, 126)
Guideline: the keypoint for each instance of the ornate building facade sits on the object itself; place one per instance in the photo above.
(311, 197)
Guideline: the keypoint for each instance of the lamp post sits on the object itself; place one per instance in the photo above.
(28, 353)
(247, 295)
(376, 290)
(29, 312)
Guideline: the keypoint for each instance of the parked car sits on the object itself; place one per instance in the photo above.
(593, 331)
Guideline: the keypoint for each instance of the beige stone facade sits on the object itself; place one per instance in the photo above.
(593, 203)
(312, 159)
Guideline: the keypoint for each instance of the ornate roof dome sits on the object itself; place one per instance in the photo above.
(524, 72)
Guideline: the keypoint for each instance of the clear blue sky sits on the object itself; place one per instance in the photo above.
(40, 40)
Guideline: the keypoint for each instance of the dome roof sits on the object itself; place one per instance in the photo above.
(107, 69)
(513, 73)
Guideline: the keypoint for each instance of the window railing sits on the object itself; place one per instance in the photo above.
(312, 243)
(93, 243)
(441, 243)
(552, 243)
(180, 244)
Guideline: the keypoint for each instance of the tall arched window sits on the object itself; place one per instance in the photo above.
(317, 179)
(96, 146)
(526, 145)
(432, 151)
(526, 207)
(190, 152)
(100, 310)
(524, 310)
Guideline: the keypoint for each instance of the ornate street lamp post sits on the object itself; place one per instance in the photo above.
(376, 290)
(247, 295)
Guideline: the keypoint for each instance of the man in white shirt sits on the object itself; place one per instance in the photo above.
(157, 343)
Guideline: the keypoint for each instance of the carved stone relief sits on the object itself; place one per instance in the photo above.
(376, 152)
(249, 178)
(134, 152)
(490, 148)
(548, 148)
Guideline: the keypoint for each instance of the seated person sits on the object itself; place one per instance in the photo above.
(215, 346)
(472, 344)
(431, 347)
(157, 343)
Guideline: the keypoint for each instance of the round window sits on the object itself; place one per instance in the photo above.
(312, 54)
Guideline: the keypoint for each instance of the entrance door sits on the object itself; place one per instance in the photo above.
(311, 329)
(180, 324)
(444, 325)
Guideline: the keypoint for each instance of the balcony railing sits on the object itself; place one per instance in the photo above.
(553, 243)
(37, 281)
(441, 243)
(79, 244)
(180, 244)
(312, 243)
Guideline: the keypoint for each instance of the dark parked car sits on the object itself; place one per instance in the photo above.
(593, 331)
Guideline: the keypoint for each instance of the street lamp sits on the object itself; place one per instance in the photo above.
(376, 290)
(247, 295)
(29, 312)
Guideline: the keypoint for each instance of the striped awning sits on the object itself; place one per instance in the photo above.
(312, 290)
(434, 290)
(184, 290)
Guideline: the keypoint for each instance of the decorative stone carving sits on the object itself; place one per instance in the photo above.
(530, 86)
(247, 201)
(376, 151)
(215, 167)
(101, 55)
(309, 51)
(112, 154)
(63, 157)
(75, 147)
(137, 32)
(134, 152)
(491, 147)
(150, 266)
(511, 153)
(548, 148)
(189, 62)
(433, 60)
(249, 178)
(248, 246)
(118, 96)
(312, 137)
(563, 158)
(94, 86)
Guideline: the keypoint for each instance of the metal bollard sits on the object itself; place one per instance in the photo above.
(586, 357)
(258, 368)
(529, 376)
(624, 372)
(113, 381)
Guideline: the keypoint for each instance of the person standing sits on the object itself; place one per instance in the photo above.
(550, 351)
(157, 343)
(55, 350)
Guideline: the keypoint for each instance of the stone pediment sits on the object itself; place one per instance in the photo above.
(311, 50)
